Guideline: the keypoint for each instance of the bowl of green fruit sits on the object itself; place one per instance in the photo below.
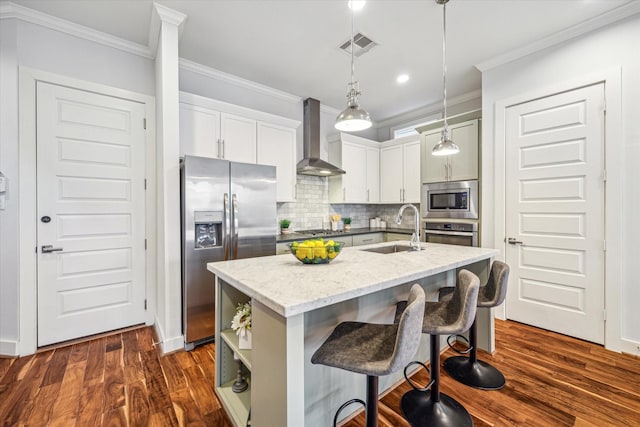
(315, 251)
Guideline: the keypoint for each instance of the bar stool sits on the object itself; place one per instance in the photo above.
(469, 370)
(452, 316)
(374, 350)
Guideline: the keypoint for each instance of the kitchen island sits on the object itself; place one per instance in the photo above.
(295, 308)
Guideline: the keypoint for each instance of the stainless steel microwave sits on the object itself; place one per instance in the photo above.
(456, 199)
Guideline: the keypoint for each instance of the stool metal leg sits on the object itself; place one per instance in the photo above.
(434, 409)
(471, 371)
(372, 401)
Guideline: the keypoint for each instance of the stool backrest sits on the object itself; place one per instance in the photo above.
(409, 330)
(495, 291)
(462, 307)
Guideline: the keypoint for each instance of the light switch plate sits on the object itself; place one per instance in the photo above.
(3, 183)
(2, 202)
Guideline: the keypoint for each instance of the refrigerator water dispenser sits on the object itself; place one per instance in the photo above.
(208, 229)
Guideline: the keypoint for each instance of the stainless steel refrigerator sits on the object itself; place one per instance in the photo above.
(228, 211)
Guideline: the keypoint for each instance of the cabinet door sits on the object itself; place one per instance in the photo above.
(199, 131)
(276, 146)
(411, 172)
(373, 175)
(434, 168)
(464, 165)
(354, 162)
(391, 174)
(238, 136)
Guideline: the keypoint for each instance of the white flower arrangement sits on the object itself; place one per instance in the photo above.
(241, 322)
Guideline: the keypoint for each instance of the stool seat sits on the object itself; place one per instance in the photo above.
(374, 349)
(469, 370)
(451, 316)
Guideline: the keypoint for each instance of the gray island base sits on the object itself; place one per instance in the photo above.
(295, 307)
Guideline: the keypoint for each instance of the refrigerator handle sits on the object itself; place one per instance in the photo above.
(227, 226)
(234, 202)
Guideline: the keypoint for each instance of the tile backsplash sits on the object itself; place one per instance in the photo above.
(312, 208)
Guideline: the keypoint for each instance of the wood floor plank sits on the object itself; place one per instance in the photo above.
(57, 366)
(68, 399)
(186, 409)
(79, 352)
(115, 418)
(138, 408)
(91, 404)
(173, 372)
(155, 382)
(95, 362)
(113, 379)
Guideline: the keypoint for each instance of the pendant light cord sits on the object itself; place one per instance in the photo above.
(352, 43)
(444, 60)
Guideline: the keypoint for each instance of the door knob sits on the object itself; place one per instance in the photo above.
(513, 241)
(49, 248)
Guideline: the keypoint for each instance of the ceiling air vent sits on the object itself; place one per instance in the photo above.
(363, 45)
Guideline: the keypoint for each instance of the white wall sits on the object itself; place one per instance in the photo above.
(612, 46)
(28, 45)
(9, 167)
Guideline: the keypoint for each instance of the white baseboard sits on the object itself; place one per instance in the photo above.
(168, 345)
(630, 347)
(9, 348)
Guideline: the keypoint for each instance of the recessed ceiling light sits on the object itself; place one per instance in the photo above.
(356, 4)
(402, 78)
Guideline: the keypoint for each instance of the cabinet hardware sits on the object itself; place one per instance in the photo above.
(513, 241)
(49, 248)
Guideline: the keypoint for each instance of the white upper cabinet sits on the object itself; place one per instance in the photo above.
(400, 170)
(359, 158)
(199, 131)
(373, 174)
(458, 167)
(215, 129)
(238, 137)
(277, 147)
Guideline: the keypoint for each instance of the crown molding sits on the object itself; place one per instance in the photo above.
(188, 65)
(428, 109)
(587, 26)
(162, 14)
(12, 10)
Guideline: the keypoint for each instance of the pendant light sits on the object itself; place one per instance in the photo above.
(353, 118)
(446, 146)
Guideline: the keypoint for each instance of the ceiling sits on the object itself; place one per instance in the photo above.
(292, 45)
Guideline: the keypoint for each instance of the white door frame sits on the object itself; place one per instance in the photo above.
(27, 194)
(612, 79)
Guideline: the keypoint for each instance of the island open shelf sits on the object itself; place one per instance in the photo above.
(294, 309)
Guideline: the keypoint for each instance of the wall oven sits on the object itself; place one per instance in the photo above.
(452, 233)
(456, 199)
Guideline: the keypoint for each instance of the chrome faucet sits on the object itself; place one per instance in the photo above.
(415, 239)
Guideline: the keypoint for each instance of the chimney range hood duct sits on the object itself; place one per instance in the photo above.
(311, 164)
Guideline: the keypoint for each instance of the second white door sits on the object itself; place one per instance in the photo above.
(554, 212)
(91, 221)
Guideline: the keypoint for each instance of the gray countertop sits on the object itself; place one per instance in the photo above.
(289, 287)
(282, 238)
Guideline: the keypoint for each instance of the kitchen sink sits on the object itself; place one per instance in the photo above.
(392, 249)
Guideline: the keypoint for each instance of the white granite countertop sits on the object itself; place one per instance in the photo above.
(288, 287)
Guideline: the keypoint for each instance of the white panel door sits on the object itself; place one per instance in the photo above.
(238, 136)
(555, 207)
(90, 206)
(277, 147)
(199, 131)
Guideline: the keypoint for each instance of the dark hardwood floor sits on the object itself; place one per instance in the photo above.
(120, 380)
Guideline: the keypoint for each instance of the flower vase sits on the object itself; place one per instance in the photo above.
(244, 339)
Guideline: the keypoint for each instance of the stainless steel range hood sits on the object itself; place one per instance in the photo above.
(311, 163)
